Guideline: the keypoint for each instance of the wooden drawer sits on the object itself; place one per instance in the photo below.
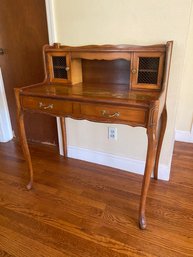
(47, 105)
(115, 114)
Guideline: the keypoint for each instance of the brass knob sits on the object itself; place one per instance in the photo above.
(67, 68)
(134, 71)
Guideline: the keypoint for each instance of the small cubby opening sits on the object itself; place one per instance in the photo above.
(106, 71)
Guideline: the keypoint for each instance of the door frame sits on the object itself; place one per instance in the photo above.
(52, 39)
(6, 133)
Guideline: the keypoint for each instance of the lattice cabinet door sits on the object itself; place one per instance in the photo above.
(59, 67)
(147, 70)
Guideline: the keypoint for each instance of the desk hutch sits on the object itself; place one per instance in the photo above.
(122, 84)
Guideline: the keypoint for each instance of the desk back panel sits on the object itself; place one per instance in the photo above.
(106, 71)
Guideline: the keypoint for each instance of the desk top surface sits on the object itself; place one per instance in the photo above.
(106, 93)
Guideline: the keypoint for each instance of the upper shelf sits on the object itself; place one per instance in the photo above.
(107, 48)
(140, 67)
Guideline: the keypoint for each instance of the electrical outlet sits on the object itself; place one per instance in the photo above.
(112, 133)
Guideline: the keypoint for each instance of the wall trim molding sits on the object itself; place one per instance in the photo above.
(114, 161)
(6, 133)
(50, 21)
(184, 136)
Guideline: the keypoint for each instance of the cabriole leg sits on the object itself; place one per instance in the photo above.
(150, 160)
(23, 140)
(163, 121)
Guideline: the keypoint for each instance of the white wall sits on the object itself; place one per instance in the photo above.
(80, 22)
(184, 125)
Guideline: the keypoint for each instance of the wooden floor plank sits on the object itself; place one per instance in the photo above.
(18, 245)
(80, 209)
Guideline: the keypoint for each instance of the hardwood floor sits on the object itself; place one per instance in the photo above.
(79, 209)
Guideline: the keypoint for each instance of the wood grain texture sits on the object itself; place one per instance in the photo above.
(83, 209)
(106, 72)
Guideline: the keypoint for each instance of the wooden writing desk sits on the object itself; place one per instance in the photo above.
(114, 84)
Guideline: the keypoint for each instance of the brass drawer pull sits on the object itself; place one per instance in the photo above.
(44, 106)
(107, 115)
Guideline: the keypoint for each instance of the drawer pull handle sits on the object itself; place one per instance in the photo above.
(107, 115)
(44, 106)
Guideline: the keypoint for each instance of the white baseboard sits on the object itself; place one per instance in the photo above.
(119, 162)
(184, 136)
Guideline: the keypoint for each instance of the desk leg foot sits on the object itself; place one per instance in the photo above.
(142, 222)
(163, 121)
(29, 185)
